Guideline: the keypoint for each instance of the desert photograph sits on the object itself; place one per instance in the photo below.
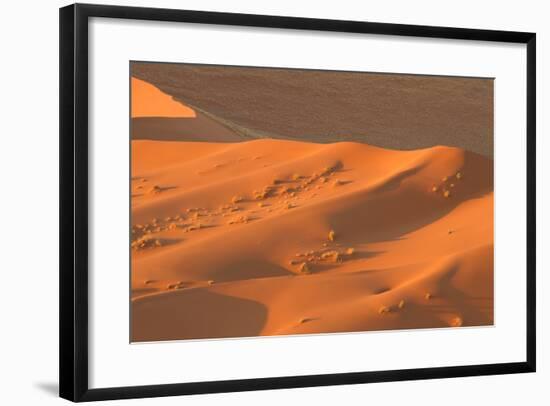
(275, 201)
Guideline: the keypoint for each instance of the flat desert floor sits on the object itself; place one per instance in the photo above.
(277, 237)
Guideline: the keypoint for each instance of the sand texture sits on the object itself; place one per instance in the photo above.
(278, 236)
(404, 112)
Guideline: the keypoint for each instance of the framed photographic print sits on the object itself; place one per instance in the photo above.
(257, 202)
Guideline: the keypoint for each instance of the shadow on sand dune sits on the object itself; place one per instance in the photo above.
(195, 313)
(200, 128)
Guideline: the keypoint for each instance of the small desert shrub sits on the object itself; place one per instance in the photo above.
(456, 322)
(261, 195)
(155, 190)
(304, 268)
(237, 199)
(239, 220)
(383, 310)
(331, 235)
(145, 242)
(428, 296)
(459, 175)
(401, 304)
(447, 193)
(334, 256)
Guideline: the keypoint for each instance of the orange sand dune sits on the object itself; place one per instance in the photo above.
(272, 237)
(157, 116)
(149, 101)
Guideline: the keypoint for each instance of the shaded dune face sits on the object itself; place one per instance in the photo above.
(162, 318)
(199, 128)
(276, 237)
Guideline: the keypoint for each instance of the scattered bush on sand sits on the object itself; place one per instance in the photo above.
(383, 310)
(154, 190)
(456, 322)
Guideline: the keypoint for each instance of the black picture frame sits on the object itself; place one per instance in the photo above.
(73, 254)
